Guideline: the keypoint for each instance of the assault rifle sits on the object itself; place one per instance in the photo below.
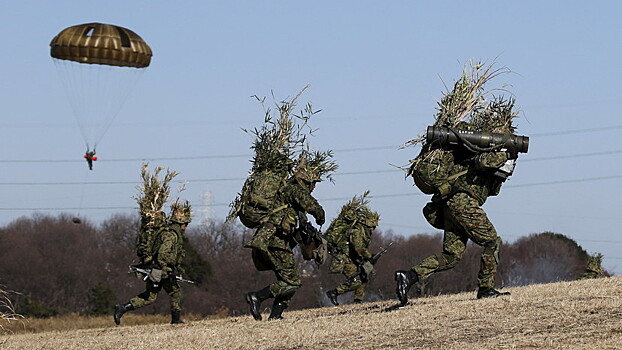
(311, 240)
(145, 271)
(373, 260)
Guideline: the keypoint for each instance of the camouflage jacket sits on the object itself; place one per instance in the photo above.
(299, 202)
(360, 237)
(479, 181)
(170, 247)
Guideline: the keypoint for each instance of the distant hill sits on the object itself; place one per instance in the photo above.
(584, 314)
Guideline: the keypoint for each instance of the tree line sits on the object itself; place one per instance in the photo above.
(50, 266)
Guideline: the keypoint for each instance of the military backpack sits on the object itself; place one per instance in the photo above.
(258, 198)
(145, 241)
(337, 234)
(434, 170)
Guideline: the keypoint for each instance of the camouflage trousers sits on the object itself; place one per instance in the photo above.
(150, 295)
(287, 277)
(353, 283)
(464, 219)
(272, 251)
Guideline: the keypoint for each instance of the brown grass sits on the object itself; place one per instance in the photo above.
(584, 314)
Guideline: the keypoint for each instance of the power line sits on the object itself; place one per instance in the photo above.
(364, 172)
(355, 149)
(578, 131)
(393, 195)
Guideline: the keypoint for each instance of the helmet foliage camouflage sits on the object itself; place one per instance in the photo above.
(314, 166)
(354, 212)
(181, 212)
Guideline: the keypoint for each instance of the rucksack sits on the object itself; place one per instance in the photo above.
(258, 197)
(434, 170)
(145, 241)
(337, 235)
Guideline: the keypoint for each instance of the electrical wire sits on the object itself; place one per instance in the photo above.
(355, 149)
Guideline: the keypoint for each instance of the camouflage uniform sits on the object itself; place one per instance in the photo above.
(347, 261)
(463, 219)
(169, 256)
(277, 235)
(594, 268)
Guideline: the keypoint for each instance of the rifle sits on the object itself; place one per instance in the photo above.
(145, 271)
(311, 240)
(373, 260)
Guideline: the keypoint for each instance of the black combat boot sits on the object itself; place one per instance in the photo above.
(332, 296)
(254, 300)
(277, 310)
(119, 310)
(486, 292)
(176, 317)
(404, 279)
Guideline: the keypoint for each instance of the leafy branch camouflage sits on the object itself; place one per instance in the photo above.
(280, 148)
(497, 116)
(469, 103)
(314, 166)
(278, 140)
(181, 211)
(153, 194)
(355, 211)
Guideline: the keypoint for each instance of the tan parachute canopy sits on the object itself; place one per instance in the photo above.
(97, 43)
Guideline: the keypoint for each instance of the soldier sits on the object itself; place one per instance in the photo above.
(594, 268)
(277, 234)
(461, 216)
(349, 237)
(90, 157)
(168, 257)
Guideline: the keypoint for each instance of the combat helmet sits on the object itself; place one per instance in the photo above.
(370, 218)
(314, 166)
(181, 212)
(357, 211)
(305, 172)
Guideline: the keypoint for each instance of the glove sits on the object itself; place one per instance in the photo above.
(512, 152)
(155, 275)
(368, 268)
(321, 218)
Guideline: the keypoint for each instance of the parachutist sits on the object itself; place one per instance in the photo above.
(90, 157)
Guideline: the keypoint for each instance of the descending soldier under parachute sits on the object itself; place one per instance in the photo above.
(90, 158)
(99, 65)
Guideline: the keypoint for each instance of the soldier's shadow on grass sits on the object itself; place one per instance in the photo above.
(393, 307)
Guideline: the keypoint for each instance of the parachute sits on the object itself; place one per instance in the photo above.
(99, 65)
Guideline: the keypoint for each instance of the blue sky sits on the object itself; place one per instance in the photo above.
(375, 69)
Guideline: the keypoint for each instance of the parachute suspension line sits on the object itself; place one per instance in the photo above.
(118, 86)
(96, 94)
(71, 82)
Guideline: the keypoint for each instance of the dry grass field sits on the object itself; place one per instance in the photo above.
(583, 314)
